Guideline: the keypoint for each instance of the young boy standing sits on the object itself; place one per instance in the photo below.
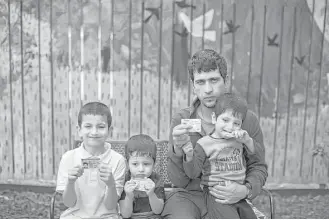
(91, 177)
(143, 195)
(219, 157)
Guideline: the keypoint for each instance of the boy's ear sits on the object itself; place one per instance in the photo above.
(213, 118)
(77, 127)
(227, 83)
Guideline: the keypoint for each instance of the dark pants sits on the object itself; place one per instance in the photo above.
(184, 205)
(194, 205)
(145, 215)
(238, 210)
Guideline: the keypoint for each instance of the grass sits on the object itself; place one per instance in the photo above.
(16, 204)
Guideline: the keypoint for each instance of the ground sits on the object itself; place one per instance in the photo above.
(27, 203)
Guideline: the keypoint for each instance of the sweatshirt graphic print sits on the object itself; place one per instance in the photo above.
(218, 160)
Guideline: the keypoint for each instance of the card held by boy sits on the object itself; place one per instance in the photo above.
(91, 164)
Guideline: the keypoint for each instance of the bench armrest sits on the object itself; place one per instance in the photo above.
(52, 205)
(271, 201)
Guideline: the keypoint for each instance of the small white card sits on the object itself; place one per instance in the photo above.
(195, 123)
(141, 183)
(90, 163)
(93, 175)
(91, 167)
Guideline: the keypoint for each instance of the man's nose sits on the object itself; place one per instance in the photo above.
(208, 87)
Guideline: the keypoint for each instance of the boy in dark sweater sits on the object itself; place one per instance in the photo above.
(143, 195)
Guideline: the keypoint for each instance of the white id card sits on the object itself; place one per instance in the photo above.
(90, 163)
(91, 167)
(141, 183)
(93, 175)
(195, 123)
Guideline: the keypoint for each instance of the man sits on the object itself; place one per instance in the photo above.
(208, 73)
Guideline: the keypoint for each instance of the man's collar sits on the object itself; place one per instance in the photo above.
(194, 106)
(193, 111)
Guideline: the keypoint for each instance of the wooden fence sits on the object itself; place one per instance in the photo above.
(133, 57)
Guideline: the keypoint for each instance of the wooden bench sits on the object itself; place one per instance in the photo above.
(160, 168)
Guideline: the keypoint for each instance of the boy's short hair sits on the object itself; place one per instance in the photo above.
(141, 145)
(207, 60)
(95, 108)
(232, 101)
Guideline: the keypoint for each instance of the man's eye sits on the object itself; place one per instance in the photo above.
(214, 80)
(134, 164)
(225, 120)
(237, 124)
(200, 82)
(87, 126)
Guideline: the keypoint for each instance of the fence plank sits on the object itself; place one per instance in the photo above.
(17, 105)
(292, 59)
(46, 164)
(6, 131)
(6, 144)
(5, 140)
(320, 77)
(61, 115)
(277, 86)
(160, 67)
(30, 95)
(307, 90)
(18, 137)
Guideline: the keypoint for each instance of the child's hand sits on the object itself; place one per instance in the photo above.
(75, 173)
(105, 174)
(149, 186)
(241, 136)
(129, 188)
(188, 150)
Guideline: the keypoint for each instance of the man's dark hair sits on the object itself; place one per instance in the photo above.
(205, 61)
(232, 101)
(95, 108)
